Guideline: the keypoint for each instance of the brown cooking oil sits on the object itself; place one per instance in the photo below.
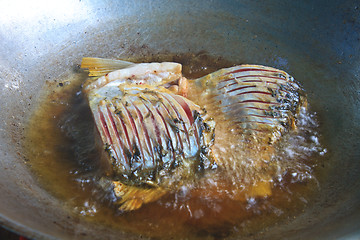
(63, 155)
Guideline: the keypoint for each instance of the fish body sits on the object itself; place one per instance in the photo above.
(148, 132)
(155, 138)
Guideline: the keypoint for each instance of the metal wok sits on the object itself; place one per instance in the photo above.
(316, 41)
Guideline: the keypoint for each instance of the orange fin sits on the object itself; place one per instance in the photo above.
(132, 197)
(100, 66)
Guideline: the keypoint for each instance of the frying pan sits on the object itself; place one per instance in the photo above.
(318, 42)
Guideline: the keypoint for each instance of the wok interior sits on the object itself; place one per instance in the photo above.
(316, 42)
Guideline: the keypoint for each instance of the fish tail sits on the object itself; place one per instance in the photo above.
(100, 66)
(133, 197)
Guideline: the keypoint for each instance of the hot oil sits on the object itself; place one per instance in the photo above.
(62, 151)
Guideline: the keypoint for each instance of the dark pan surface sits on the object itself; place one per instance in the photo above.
(317, 41)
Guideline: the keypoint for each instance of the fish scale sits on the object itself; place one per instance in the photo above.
(254, 97)
(147, 130)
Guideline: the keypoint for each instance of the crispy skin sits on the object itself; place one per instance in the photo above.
(148, 132)
(256, 98)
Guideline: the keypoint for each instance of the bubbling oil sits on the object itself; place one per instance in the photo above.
(60, 144)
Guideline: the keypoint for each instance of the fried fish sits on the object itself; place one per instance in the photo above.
(160, 130)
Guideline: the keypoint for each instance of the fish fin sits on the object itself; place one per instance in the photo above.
(133, 197)
(100, 66)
